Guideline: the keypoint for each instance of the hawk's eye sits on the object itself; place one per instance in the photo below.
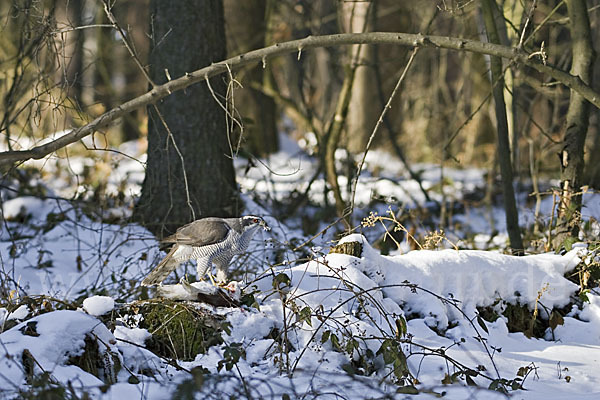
(255, 220)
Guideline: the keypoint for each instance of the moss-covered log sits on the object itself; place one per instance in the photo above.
(180, 330)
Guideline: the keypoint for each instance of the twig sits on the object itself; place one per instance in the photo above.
(77, 28)
(541, 24)
(228, 113)
(133, 54)
(322, 231)
(171, 138)
(387, 106)
(392, 135)
(529, 16)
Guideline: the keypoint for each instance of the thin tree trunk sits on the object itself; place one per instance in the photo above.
(90, 53)
(332, 139)
(334, 132)
(571, 156)
(593, 168)
(133, 15)
(75, 66)
(362, 108)
(510, 204)
(189, 174)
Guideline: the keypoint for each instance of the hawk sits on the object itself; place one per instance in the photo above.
(207, 240)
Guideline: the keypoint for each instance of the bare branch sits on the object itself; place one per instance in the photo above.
(257, 56)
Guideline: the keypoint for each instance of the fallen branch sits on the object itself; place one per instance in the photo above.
(402, 39)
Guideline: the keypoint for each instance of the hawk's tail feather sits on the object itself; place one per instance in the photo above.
(162, 270)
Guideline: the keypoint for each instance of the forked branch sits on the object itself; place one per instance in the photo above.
(403, 39)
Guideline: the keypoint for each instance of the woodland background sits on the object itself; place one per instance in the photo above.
(66, 63)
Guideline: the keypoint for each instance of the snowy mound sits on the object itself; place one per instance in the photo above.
(337, 310)
(52, 342)
(441, 285)
(469, 278)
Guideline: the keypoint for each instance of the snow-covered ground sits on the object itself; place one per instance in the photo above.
(362, 303)
(324, 325)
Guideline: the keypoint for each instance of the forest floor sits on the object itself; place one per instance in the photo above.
(411, 317)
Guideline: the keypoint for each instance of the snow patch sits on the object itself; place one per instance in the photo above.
(19, 314)
(134, 335)
(98, 305)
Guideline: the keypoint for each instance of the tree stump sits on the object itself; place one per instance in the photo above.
(350, 248)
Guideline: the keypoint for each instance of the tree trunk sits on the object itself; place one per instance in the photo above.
(571, 156)
(133, 14)
(334, 131)
(593, 167)
(189, 172)
(75, 66)
(332, 139)
(362, 110)
(510, 205)
(246, 26)
(90, 54)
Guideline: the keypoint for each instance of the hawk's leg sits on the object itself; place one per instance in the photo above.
(222, 270)
(212, 279)
(202, 266)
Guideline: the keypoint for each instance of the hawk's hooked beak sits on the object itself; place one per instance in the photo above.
(264, 225)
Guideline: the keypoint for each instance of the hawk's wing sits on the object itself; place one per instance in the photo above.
(200, 233)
